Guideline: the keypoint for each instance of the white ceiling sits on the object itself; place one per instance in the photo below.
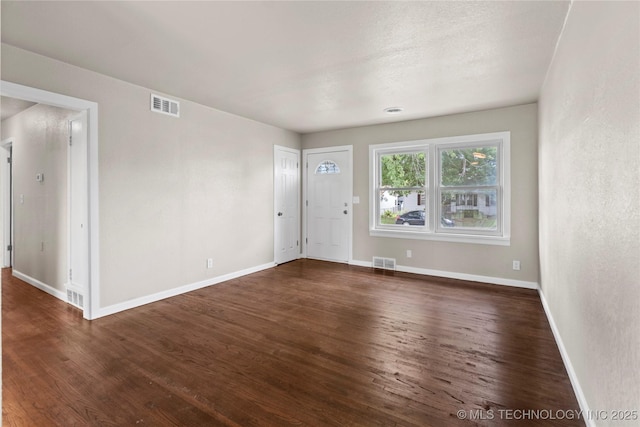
(306, 66)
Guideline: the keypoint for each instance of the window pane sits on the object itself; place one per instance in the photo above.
(469, 166)
(402, 207)
(470, 209)
(327, 167)
(402, 170)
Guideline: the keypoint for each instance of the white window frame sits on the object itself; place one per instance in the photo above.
(432, 229)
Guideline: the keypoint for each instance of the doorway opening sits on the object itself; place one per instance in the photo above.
(82, 201)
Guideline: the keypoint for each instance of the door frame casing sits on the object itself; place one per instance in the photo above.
(295, 151)
(305, 183)
(72, 170)
(26, 93)
(7, 202)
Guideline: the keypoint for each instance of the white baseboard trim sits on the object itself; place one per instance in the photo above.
(148, 299)
(61, 295)
(360, 263)
(577, 389)
(454, 275)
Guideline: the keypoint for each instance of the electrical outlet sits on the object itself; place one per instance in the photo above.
(209, 262)
(409, 253)
(516, 264)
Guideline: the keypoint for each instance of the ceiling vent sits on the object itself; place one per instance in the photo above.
(163, 105)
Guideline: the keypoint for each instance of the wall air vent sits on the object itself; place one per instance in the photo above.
(75, 298)
(163, 105)
(384, 263)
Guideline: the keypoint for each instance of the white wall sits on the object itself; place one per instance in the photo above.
(162, 180)
(590, 200)
(40, 136)
(469, 259)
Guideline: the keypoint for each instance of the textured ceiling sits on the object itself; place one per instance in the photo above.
(306, 66)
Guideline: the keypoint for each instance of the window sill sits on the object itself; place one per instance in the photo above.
(443, 237)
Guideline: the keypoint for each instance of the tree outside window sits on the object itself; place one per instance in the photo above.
(401, 185)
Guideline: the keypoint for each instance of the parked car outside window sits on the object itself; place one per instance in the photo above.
(418, 218)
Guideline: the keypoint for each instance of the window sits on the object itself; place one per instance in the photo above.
(327, 167)
(402, 181)
(466, 173)
(452, 189)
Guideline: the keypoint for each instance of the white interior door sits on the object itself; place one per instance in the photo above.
(78, 207)
(329, 205)
(286, 169)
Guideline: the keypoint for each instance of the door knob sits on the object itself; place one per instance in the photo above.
(279, 213)
(344, 212)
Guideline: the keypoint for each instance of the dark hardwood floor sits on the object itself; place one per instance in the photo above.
(305, 343)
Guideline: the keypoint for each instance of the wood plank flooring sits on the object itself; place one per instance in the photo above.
(305, 343)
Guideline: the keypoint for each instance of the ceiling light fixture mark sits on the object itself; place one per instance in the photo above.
(393, 110)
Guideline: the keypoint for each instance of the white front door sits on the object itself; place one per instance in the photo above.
(286, 169)
(78, 207)
(329, 205)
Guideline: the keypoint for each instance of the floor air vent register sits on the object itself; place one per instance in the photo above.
(384, 263)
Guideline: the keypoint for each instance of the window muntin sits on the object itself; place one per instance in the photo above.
(462, 190)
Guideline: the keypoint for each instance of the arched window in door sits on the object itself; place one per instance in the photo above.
(327, 167)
